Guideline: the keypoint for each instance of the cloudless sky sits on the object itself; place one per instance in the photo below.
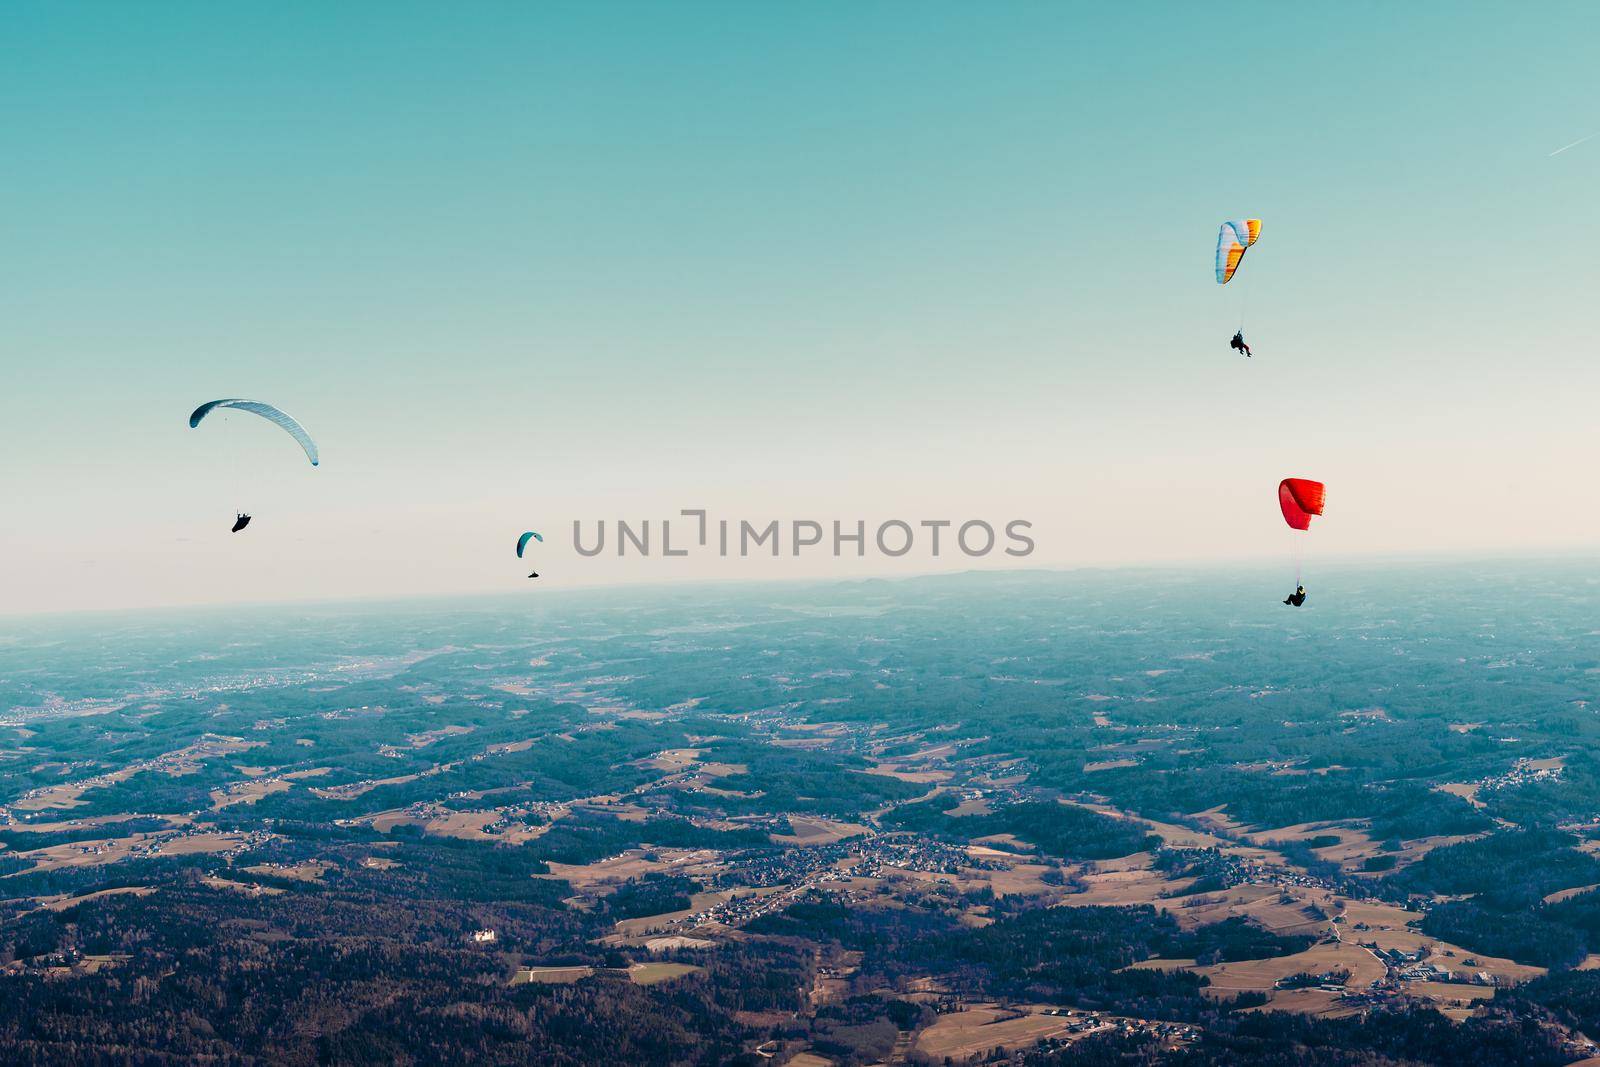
(519, 264)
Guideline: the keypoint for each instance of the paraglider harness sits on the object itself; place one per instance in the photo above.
(1237, 344)
(1297, 597)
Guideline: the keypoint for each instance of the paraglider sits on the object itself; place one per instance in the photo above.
(273, 415)
(522, 543)
(266, 411)
(1299, 499)
(1232, 241)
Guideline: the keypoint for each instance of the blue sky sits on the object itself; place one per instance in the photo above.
(515, 264)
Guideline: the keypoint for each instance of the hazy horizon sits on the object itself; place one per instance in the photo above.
(1263, 577)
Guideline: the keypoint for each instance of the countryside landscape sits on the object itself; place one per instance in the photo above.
(1083, 818)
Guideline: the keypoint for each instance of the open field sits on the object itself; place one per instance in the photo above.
(113, 850)
(1158, 964)
(1130, 880)
(73, 825)
(551, 975)
(966, 1035)
(608, 873)
(446, 822)
(813, 831)
(1450, 992)
(246, 792)
(1109, 765)
(249, 889)
(1355, 847)
(63, 903)
(645, 924)
(1263, 905)
(1318, 1002)
(1174, 836)
(1566, 894)
(674, 759)
(1261, 976)
(898, 770)
(1467, 791)
(975, 806)
(353, 790)
(1013, 874)
(639, 973)
(309, 871)
(655, 973)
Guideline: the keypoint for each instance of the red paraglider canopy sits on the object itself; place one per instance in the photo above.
(1300, 499)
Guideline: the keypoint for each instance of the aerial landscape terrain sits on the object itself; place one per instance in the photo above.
(1092, 817)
